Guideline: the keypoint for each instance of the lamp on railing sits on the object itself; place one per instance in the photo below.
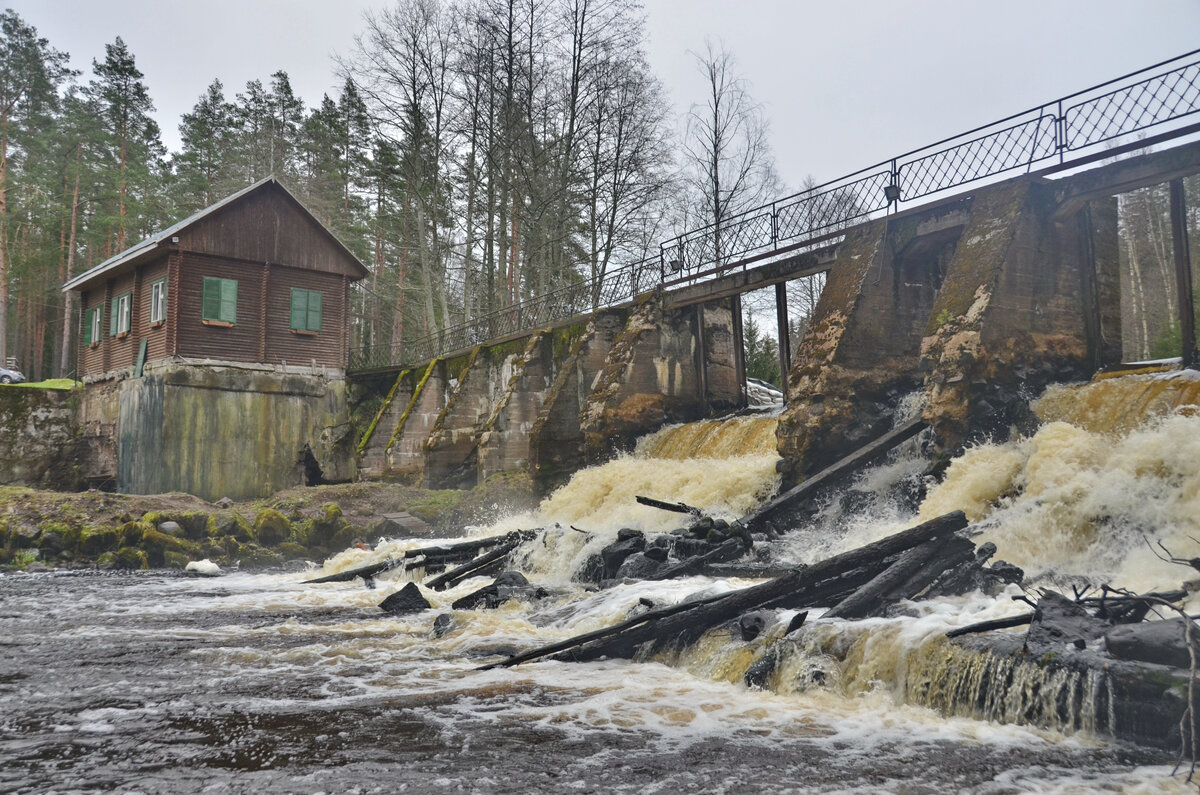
(891, 192)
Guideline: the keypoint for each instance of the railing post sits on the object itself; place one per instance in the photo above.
(1060, 132)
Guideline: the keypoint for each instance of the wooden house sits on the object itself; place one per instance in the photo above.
(253, 278)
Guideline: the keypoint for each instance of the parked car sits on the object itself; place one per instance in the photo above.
(8, 376)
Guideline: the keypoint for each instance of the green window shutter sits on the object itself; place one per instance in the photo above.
(210, 299)
(112, 318)
(228, 300)
(87, 325)
(314, 311)
(299, 310)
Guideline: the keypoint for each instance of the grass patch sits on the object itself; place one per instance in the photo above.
(52, 383)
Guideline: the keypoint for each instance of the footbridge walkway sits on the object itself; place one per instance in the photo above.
(1105, 121)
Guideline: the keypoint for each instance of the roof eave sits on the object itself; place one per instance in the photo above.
(132, 255)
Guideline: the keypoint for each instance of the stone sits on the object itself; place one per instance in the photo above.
(407, 600)
(758, 675)
(50, 544)
(224, 503)
(1058, 620)
(442, 625)
(656, 552)
(509, 585)
(171, 529)
(690, 547)
(511, 579)
(1159, 642)
(751, 625)
(271, 527)
(615, 553)
(639, 566)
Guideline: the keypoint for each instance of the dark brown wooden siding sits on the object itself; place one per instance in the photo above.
(122, 351)
(196, 340)
(268, 226)
(156, 336)
(327, 348)
(91, 357)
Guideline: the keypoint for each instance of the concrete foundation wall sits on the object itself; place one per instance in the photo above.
(38, 442)
(218, 431)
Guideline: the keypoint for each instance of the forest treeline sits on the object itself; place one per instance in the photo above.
(477, 153)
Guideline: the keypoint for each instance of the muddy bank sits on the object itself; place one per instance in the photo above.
(85, 529)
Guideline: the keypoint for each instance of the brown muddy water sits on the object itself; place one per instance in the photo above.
(255, 682)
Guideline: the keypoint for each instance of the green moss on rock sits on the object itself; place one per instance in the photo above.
(271, 527)
(95, 540)
(131, 558)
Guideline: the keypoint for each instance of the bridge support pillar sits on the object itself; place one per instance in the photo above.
(1028, 300)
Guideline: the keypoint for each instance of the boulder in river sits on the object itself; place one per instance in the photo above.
(407, 600)
(508, 585)
(1159, 642)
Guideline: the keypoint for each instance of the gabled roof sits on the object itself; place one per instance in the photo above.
(141, 250)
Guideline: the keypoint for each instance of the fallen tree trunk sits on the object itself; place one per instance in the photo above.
(366, 572)
(911, 573)
(687, 621)
(988, 626)
(440, 553)
(674, 507)
(864, 601)
(472, 567)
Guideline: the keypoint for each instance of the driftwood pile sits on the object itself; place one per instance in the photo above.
(861, 582)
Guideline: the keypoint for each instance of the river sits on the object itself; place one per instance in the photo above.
(256, 682)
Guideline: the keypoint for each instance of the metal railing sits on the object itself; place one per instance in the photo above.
(1068, 131)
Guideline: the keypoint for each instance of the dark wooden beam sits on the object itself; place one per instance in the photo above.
(785, 339)
(1183, 272)
(739, 347)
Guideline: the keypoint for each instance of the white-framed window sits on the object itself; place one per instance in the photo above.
(121, 315)
(158, 301)
(93, 325)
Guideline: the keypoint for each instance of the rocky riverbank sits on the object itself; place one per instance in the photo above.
(48, 529)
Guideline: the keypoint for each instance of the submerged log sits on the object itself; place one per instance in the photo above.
(685, 622)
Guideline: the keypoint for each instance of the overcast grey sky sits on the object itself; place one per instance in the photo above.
(846, 83)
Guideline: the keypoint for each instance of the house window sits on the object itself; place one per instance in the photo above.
(306, 311)
(218, 301)
(120, 315)
(158, 301)
(92, 324)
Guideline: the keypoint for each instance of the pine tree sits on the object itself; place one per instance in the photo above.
(134, 162)
(204, 170)
(30, 74)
